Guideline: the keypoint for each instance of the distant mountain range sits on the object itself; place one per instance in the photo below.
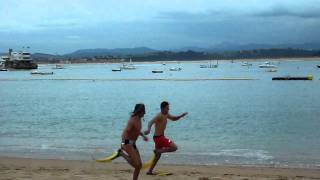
(222, 47)
(145, 51)
(110, 52)
(219, 48)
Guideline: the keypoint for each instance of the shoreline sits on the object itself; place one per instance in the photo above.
(25, 168)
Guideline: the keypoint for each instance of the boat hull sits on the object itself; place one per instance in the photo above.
(267, 66)
(21, 65)
(157, 71)
(293, 78)
(42, 73)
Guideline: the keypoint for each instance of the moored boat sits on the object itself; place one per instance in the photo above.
(246, 64)
(267, 64)
(157, 71)
(41, 73)
(19, 60)
(310, 78)
(116, 69)
(129, 66)
(175, 69)
(58, 66)
(271, 70)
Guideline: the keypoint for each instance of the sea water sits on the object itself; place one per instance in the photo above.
(81, 112)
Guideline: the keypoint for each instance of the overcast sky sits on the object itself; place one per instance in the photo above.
(62, 26)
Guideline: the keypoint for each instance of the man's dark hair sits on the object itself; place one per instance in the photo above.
(139, 109)
(164, 104)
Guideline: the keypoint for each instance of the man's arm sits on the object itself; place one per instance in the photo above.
(145, 138)
(150, 125)
(176, 118)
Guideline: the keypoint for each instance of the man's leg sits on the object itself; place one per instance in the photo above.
(173, 147)
(138, 166)
(133, 159)
(157, 157)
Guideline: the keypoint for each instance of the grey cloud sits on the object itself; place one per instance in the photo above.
(281, 11)
(188, 16)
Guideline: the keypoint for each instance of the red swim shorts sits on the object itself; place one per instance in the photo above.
(161, 142)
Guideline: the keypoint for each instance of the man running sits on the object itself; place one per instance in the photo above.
(162, 144)
(129, 150)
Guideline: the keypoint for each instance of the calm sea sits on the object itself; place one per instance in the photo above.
(83, 110)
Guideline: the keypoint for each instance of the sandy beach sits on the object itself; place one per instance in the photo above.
(20, 168)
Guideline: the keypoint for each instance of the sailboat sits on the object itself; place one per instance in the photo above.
(129, 66)
(246, 64)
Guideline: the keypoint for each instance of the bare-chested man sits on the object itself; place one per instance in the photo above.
(162, 144)
(130, 135)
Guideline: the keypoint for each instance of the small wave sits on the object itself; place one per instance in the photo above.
(241, 153)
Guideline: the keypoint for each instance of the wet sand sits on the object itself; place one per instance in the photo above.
(21, 168)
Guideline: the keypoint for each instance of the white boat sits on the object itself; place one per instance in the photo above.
(19, 60)
(175, 69)
(267, 64)
(246, 64)
(41, 73)
(116, 69)
(209, 65)
(271, 70)
(2, 66)
(58, 66)
(129, 66)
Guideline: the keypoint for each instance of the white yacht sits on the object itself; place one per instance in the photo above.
(267, 64)
(175, 69)
(19, 60)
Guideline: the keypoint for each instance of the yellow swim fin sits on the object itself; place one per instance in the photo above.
(149, 163)
(109, 158)
(163, 173)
